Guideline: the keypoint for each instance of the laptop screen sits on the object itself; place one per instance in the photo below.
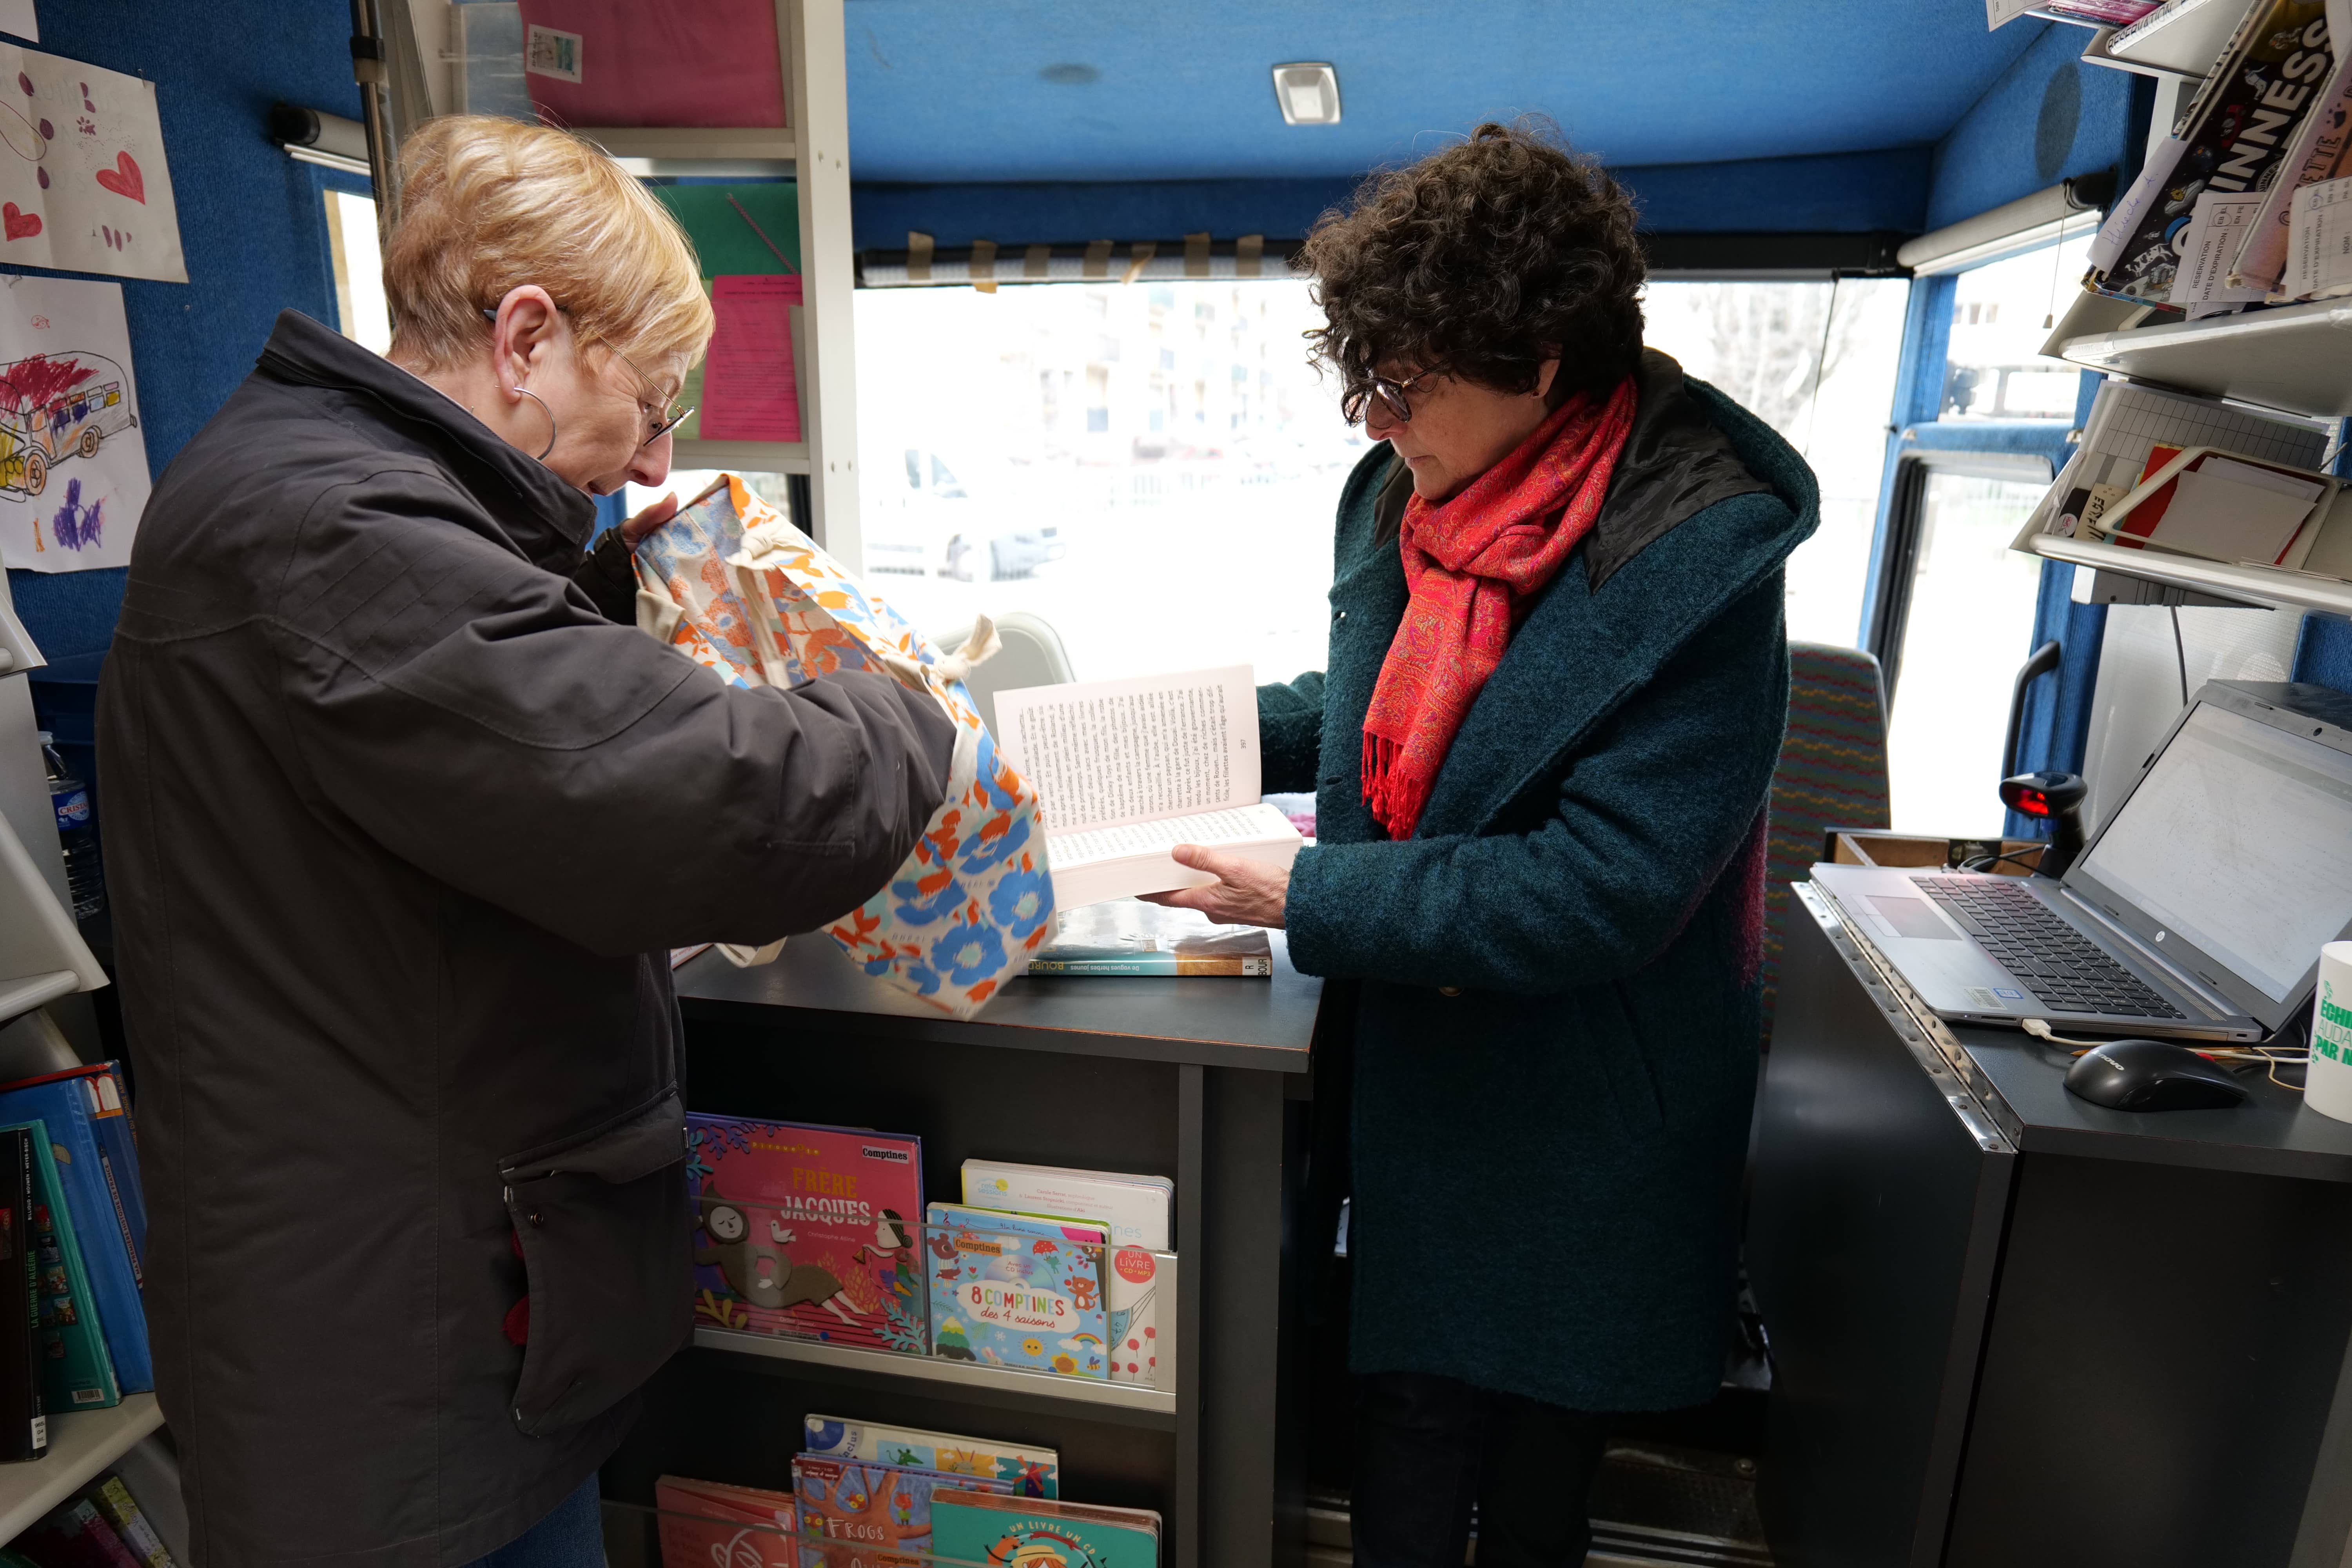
(2240, 842)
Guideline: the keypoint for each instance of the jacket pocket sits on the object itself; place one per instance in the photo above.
(603, 1219)
(1626, 1062)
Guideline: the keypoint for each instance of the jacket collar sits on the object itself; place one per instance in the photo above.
(552, 518)
(1578, 654)
(1675, 465)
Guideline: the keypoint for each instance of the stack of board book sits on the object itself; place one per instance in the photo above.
(75, 1228)
(101, 1526)
(1140, 1273)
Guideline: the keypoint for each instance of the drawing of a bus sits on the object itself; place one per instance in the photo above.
(54, 406)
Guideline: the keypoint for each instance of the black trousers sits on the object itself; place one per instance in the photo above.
(1428, 1446)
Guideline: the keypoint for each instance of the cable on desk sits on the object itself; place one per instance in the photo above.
(2269, 1057)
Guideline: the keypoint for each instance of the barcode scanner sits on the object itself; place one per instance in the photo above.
(2057, 799)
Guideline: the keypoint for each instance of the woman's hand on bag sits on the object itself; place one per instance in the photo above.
(1247, 892)
(634, 532)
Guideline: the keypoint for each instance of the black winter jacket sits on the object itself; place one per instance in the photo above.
(399, 828)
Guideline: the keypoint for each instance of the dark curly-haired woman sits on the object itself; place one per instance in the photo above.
(1541, 751)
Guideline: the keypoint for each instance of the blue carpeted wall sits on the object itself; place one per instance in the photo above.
(252, 224)
(2048, 117)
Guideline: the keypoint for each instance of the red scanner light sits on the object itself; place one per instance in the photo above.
(2032, 802)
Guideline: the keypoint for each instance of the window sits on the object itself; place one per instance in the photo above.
(357, 258)
(1816, 362)
(1188, 523)
(1955, 636)
(2001, 315)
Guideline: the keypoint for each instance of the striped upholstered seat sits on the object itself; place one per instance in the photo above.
(1831, 774)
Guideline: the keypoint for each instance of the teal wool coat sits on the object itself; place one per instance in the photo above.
(1555, 1048)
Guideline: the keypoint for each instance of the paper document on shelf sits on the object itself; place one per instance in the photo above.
(2319, 240)
(2233, 512)
(747, 388)
(2128, 420)
(16, 16)
(1126, 770)
(2218, 227)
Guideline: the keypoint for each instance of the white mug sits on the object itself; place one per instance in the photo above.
(2328, 1082)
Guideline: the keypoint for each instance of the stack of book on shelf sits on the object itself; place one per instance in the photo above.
(821, 1233)
(2248, 201)
(73, 1331)
(868, 1495)
(2167, 473)
(102, 1525)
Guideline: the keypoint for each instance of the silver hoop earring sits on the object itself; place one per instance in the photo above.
(543, 408)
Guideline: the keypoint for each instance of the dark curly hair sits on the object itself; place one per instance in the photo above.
(1482, 261)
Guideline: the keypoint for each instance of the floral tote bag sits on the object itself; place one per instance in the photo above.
(730, 583)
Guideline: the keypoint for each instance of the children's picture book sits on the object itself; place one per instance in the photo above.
(23, 1423)
(1134, 1207)
(1128, 936)
(70, 1106)
(113, 1500)
(75, 1373)
(1022, 1532)
(1126, 770)
(863, 1514)
(1014, 1291)
(807, 1231)
(710, 1524)
(1034, 1471)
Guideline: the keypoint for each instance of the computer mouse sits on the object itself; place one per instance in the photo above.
(2151, 1075)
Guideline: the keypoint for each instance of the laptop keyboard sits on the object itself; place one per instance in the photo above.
(2066, 971)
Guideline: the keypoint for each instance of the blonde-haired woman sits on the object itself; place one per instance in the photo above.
(401, 827)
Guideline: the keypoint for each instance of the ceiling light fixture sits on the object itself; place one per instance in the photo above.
(1308, 93)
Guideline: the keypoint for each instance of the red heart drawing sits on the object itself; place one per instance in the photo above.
(124, 179)
(20, 226)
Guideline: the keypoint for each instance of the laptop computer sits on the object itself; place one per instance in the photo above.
(2197, 911)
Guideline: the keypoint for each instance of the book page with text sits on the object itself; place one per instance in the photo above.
(1104, 754)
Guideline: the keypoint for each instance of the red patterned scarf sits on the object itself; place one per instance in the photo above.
(1473, 565)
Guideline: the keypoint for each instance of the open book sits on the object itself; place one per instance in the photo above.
(1126, 770)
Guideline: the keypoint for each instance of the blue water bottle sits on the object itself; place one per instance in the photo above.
(77, 833)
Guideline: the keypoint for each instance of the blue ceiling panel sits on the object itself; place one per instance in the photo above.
(1036, 91)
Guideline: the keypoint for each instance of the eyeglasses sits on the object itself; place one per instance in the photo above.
(1393, 396)
(662, 414)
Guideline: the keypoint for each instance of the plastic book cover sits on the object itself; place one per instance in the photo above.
(710, 1524)
(1017, 1532)
(807, 1231)
(865, 1515)
(75, 1373)
(1034, 1471)
(68, 1106)
(1018, 1292)
(1128, 936)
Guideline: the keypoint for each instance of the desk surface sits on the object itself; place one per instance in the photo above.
(1220, 1021)
(2273, 1134)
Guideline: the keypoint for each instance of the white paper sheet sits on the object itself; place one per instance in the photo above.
(1104, 754)
(2218, 227)
(83, 183)
(16, 16)
(73, 455)
(2319, 240)
(2220, 520)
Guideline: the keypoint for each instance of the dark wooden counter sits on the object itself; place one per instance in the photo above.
(1208, 1021)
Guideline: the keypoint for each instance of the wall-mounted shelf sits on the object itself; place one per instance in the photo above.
(749, 143)
(742, 457)
(2264, 587)
(82, 1445)
(2296, 358)
(1128, 1403)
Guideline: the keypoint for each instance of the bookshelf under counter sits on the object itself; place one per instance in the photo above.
(1128, 1403)
(83, 1444)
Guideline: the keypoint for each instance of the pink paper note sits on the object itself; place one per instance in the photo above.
(748, 391)
(623, 62)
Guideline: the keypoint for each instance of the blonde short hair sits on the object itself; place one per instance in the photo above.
(488, 204)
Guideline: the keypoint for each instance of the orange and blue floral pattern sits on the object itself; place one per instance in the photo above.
(763, 606)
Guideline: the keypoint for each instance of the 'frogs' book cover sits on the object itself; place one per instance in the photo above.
(1017, 1292)
(807, 1231)
(866, 1516)
(1024, 1532)
(1034, 1471)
